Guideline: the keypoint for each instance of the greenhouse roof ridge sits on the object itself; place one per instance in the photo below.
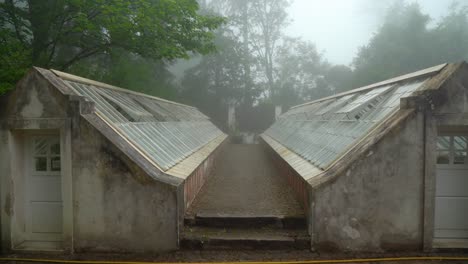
(404, 77)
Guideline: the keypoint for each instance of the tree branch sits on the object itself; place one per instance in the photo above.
(82, 55)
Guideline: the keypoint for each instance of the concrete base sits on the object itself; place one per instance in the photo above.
(245, 233)
(247, 222)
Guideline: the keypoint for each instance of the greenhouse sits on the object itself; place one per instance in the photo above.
(90, 167)
(382, 167)
(94, 167)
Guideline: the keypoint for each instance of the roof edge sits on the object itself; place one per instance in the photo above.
(75, 78)
(151, 168)
(56, 81)
(438, 80)
(307, 171)
(404, 77)
(184, 168)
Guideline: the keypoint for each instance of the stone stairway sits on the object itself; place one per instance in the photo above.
(244, 232)
(245, 204)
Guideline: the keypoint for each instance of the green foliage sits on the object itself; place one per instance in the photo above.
(450, 37)
(406, 43)
(129, 70)
(256, 65)
(217, 80)
(60, 33)
(299, 73)
(14, 60)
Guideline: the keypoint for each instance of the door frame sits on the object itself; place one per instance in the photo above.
(449, 242)
(435, 125)
(17, 136)
(28, 175)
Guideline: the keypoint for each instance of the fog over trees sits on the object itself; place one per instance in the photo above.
(102, 38)
(224, 52)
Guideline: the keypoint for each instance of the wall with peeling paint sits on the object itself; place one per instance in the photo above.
(384, 200)
(117, 206)
(376, 204)
(111, 204)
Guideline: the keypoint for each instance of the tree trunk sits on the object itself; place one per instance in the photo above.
(248, 98)
(40, 16)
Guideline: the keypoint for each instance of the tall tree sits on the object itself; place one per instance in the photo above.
(299, 73)
(259, 25)
(15, 59)
(269, 18)
(450, 37)
(399, 45)
(124, 69)
(406, 42)
(217, 80)
(238, 13)
(59, 33)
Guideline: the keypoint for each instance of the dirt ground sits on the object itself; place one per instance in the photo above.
(190, 256)
(246, 183)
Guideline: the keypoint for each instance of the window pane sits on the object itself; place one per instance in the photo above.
(55, 148)
(459, 157)
(443, 143)
(40, 146)
(460, 143)
(40, 163)
(443, 157)
(55, 164)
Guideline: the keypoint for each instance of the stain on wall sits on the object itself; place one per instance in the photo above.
(376, 204)
(118, 207)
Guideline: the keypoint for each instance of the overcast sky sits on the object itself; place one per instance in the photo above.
(339, 27)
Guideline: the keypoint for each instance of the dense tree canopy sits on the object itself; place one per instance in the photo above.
(132, 43)
(300, 69)
(60, 33)
(257, 63)
(406, 42)
(217, 80)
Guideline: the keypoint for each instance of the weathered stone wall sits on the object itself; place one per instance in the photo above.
(117, 206)
(34, 105)
(376, 204)
(448, 113)
(110, 203)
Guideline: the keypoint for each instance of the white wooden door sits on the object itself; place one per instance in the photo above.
(451, 203)
(44, 208)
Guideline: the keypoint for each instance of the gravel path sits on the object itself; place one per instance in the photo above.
(246, 183)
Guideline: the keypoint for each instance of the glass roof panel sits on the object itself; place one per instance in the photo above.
(322, 140)
(166, 132)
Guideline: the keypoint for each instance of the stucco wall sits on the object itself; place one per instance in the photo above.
(376, 204)
(117, 207)
(34, 105)
(448, 113)
(110, 203)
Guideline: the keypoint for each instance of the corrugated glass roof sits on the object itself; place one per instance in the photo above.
(167, 132)
(322, 131)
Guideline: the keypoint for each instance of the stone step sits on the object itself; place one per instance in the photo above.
(249, 222)
(199, 238)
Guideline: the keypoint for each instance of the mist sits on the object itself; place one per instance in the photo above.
(250, 55)
(339, 28)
